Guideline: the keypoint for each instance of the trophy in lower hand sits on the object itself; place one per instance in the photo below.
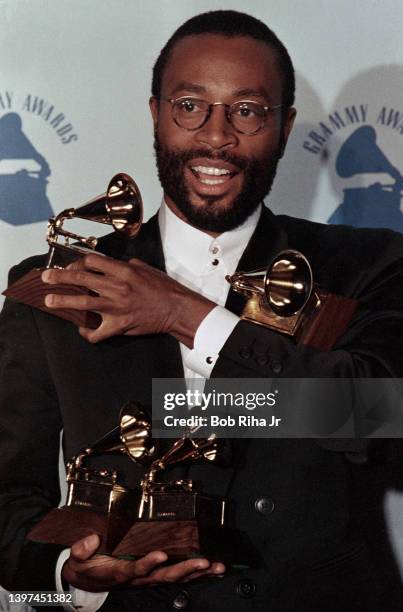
(96, 501)
(176, 516)
(173, 516)
(120, 206)
(284, 298)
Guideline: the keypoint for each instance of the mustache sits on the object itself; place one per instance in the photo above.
(184, 157)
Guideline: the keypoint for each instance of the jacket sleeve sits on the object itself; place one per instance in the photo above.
(370, 347)
(30, 426)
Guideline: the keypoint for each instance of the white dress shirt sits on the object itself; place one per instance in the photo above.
(199, 262)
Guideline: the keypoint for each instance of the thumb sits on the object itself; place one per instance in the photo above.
(85, 548)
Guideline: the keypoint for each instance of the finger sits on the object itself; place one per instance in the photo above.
(109, 571)
(176, 572)
(106, 265)
(216, 570)
(77, 264)
(101, 573)
(148, 563)
(85, 548)
(81, 278)
(55, 276)
(134, 261)
(173, 573)
(105, 330)
(93, 335)
(100, 284)
(75, 302)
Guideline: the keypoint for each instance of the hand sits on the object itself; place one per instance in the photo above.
(90, 572)
(132, 298)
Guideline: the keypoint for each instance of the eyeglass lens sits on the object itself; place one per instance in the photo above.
(246, 117)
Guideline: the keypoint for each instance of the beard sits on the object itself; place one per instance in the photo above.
(211, 217)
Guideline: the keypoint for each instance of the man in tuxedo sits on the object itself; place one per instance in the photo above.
(222, 107)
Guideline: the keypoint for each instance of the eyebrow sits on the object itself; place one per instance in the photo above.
(187, 86)
(239, 93)
(251, 91)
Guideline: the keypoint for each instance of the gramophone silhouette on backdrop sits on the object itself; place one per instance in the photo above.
(377, 205)
(23, 185)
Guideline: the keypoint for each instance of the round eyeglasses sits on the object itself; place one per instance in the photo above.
(245, 116)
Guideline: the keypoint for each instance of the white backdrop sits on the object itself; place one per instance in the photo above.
(74, 88)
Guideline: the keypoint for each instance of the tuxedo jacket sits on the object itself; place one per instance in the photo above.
(295, 499)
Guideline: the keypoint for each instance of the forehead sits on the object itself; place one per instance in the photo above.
(222, 66)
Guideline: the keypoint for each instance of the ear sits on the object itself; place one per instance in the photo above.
(288, 122)
(154, 108)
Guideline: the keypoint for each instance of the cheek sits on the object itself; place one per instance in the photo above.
(268, 146)
(173, 137)
(169, 133)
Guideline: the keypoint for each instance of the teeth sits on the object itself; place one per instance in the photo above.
(210, 170)
(211, 181)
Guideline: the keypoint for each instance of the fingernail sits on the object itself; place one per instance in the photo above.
(160, 557)
(46, 276)
(49, 300)
(90, 541)
(204, 564)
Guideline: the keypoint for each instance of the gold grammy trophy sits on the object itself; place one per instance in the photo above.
(173, 516)
(120, 206)
(284, 298)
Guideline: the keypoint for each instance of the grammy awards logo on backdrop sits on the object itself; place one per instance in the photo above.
(24, 169)
(370, 185)
(377, 205)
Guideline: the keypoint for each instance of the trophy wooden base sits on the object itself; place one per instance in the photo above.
(180, 540)
(318, 325)
(187, 539)
(68, 524)
(31, 290)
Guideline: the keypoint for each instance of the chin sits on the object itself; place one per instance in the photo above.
(215, 216)
(211, 205)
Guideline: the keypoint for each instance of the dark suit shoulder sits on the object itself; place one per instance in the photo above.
(343, 245)
(36, 261)
(335, 234)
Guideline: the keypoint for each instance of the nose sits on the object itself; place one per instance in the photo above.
(217, 132)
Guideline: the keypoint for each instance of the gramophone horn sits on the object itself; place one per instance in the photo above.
(135, 433)
(120, 206)
(286, 284)
(191, 449)
(131, 437)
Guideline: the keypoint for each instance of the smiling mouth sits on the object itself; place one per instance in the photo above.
(212, 175)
